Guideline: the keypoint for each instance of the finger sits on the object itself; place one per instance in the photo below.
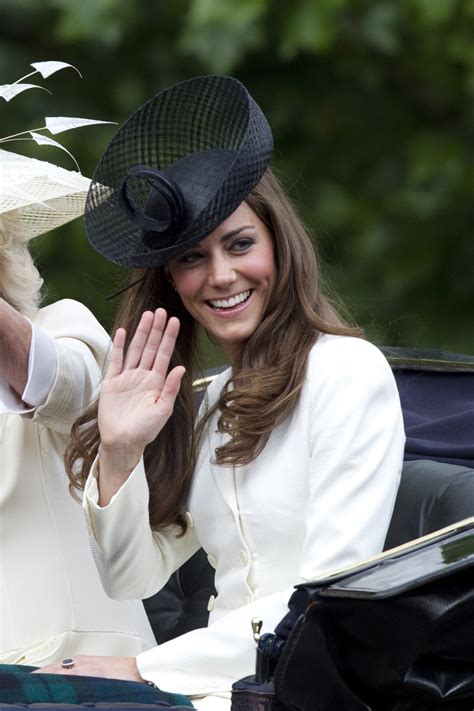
(154, 339)
(116, 354)
(171, 388)
(168, 342)
(138, 342)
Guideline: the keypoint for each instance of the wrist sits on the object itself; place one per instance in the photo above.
(135, 672)
(116, 462)
(114, 468)
(15, 342)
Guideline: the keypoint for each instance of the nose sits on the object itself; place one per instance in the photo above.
(221, 272)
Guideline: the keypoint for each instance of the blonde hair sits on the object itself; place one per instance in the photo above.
(20, 281)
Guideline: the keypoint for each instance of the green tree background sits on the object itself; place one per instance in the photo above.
(370, 102)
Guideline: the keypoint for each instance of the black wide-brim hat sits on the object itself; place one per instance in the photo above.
(179, 166)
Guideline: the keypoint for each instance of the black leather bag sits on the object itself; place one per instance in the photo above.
(249, 694)
(397, 634)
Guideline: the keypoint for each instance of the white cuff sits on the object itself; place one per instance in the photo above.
(91, 488)
(41, 368)
(41, 374)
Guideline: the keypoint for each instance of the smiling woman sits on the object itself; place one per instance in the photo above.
(227, 280)
(293, 466)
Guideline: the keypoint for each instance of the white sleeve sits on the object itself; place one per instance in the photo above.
(80, 347)
(41, 373)
(41, 368)
(133, 561)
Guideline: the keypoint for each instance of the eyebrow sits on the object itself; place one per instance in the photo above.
(233, 233)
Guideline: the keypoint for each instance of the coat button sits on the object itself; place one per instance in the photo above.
(244, 558)
(189, 519)
(210, 603)
(212, 560)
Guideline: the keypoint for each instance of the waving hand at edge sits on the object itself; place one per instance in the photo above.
(137, 397)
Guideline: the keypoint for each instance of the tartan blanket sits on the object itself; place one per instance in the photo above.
(19, 686)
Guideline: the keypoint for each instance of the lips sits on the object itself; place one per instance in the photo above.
(230, 302)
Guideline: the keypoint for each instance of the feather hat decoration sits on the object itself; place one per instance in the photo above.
(37, 196)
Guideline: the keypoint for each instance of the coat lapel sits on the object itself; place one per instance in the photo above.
(223, 476)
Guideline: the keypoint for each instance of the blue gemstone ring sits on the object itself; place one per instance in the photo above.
(68, 663)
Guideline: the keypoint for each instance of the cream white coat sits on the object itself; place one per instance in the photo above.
(52, 604)
(317, 498)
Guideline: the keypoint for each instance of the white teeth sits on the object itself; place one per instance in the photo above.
(232, 301)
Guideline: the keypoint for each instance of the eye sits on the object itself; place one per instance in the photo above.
(190, 258)
(242, 244)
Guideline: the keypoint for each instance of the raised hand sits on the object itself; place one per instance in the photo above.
(138, 393)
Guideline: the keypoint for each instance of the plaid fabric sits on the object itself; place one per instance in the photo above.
(19, 686)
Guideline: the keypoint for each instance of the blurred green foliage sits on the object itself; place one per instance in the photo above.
(370, 102)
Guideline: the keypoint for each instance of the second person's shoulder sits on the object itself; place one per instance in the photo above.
(69, 319)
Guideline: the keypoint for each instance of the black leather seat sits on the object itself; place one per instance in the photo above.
(182, 604)
(432, 495)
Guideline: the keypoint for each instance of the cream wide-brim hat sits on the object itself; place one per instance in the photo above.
(36, 196)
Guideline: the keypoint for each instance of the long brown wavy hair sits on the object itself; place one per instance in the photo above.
(266, 380)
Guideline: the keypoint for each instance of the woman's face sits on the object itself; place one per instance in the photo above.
(226, 280)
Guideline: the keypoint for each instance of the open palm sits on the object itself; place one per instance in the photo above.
(138, 393)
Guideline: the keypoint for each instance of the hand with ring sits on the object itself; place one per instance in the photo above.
(124, 668)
